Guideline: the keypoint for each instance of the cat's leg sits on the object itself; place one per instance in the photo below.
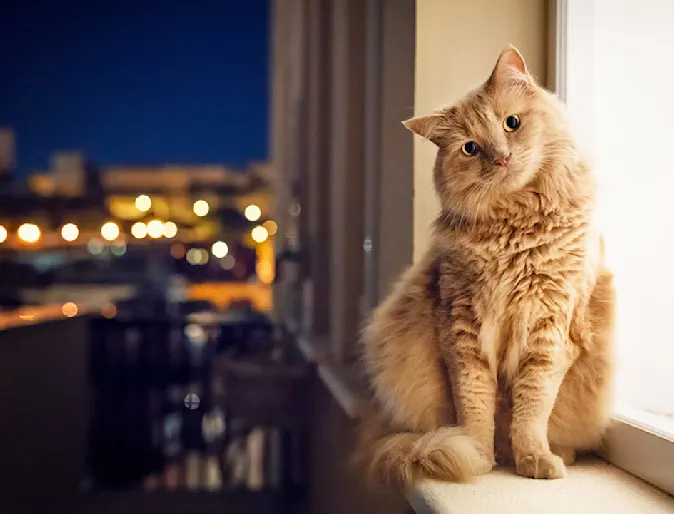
(473, 382)
(414, 435)
(536, 384)
(583, 407)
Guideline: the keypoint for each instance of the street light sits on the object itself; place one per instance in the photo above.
(201, 208)
(252, 212)
(170, 229)
(259, 234)
(143, 203)
(70, 232)
(219, 249)
(29, 233)
(139, 230)
(110, 231)
(155, 229)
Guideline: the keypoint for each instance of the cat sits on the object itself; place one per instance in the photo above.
(496, 346)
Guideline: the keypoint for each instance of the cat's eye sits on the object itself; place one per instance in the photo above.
(470, 148)
(511, 123)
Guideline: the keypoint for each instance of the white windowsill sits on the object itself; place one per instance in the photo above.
(592, 486)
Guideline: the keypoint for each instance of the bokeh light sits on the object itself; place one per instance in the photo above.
(143, 203)
(271, 227)
(197, 256)
(220, 249)
(3, 234)
(29, 233)
(155, 229)
(69, 309)
(70, 232)
(228, 262)
(118, 249)
(139, 230)
(259, 234)
(177, 250)
(95, 247)
(201, 207)
(170, 229)
(109, 310)
(252, 212)
(110, 231)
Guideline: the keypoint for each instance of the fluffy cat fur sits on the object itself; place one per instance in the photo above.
(496, 346)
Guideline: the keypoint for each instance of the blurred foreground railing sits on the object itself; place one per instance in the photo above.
(208, 401)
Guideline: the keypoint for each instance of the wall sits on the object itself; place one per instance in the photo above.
(456, 51)
(45, 400)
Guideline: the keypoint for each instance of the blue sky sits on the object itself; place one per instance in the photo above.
(136, 81)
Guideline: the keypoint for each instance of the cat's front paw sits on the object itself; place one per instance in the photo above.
(541, 465)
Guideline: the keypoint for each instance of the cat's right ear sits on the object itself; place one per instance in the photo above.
(425, 126)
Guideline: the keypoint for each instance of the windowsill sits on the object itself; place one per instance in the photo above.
(592, 486)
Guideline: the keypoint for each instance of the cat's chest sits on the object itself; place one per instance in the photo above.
(509, 295)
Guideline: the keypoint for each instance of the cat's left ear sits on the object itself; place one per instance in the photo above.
(425, 126)
(510, 65)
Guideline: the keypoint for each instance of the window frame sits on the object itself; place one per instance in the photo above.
(632, 443)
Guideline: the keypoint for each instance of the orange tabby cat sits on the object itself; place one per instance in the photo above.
(496, 345)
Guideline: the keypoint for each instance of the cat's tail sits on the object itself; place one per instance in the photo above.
(401, 459)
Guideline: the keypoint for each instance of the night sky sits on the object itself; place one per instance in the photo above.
(142, 82)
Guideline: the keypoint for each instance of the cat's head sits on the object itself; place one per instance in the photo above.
(496, 140)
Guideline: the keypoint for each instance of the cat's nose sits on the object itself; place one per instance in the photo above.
(502, 160)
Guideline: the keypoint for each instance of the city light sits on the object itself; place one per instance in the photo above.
(118, 249)
(139, 230)
(220, 249)
(95, 247)
(110, 231)
(177, 250)
(259, 234)
(271, 227)
(201, 207)
(197, 256)
(252, 212)
(155, 229)
(69, 309)
(143, 203)
(70, 232)
(3, 234)
(170, 229)
(29, 233)
(228, 262)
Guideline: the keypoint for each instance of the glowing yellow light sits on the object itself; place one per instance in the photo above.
(69, 309)
(170, 229)
(3, 234)
(29, 233)
(265, 272)
(271, 227)
(252, 212)
(143, 203)
(139, 230)
(110, 231)
(197, 256)
(220, 249)
(259, 234)
(70, 232)
(201, 207)
(155, 229)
